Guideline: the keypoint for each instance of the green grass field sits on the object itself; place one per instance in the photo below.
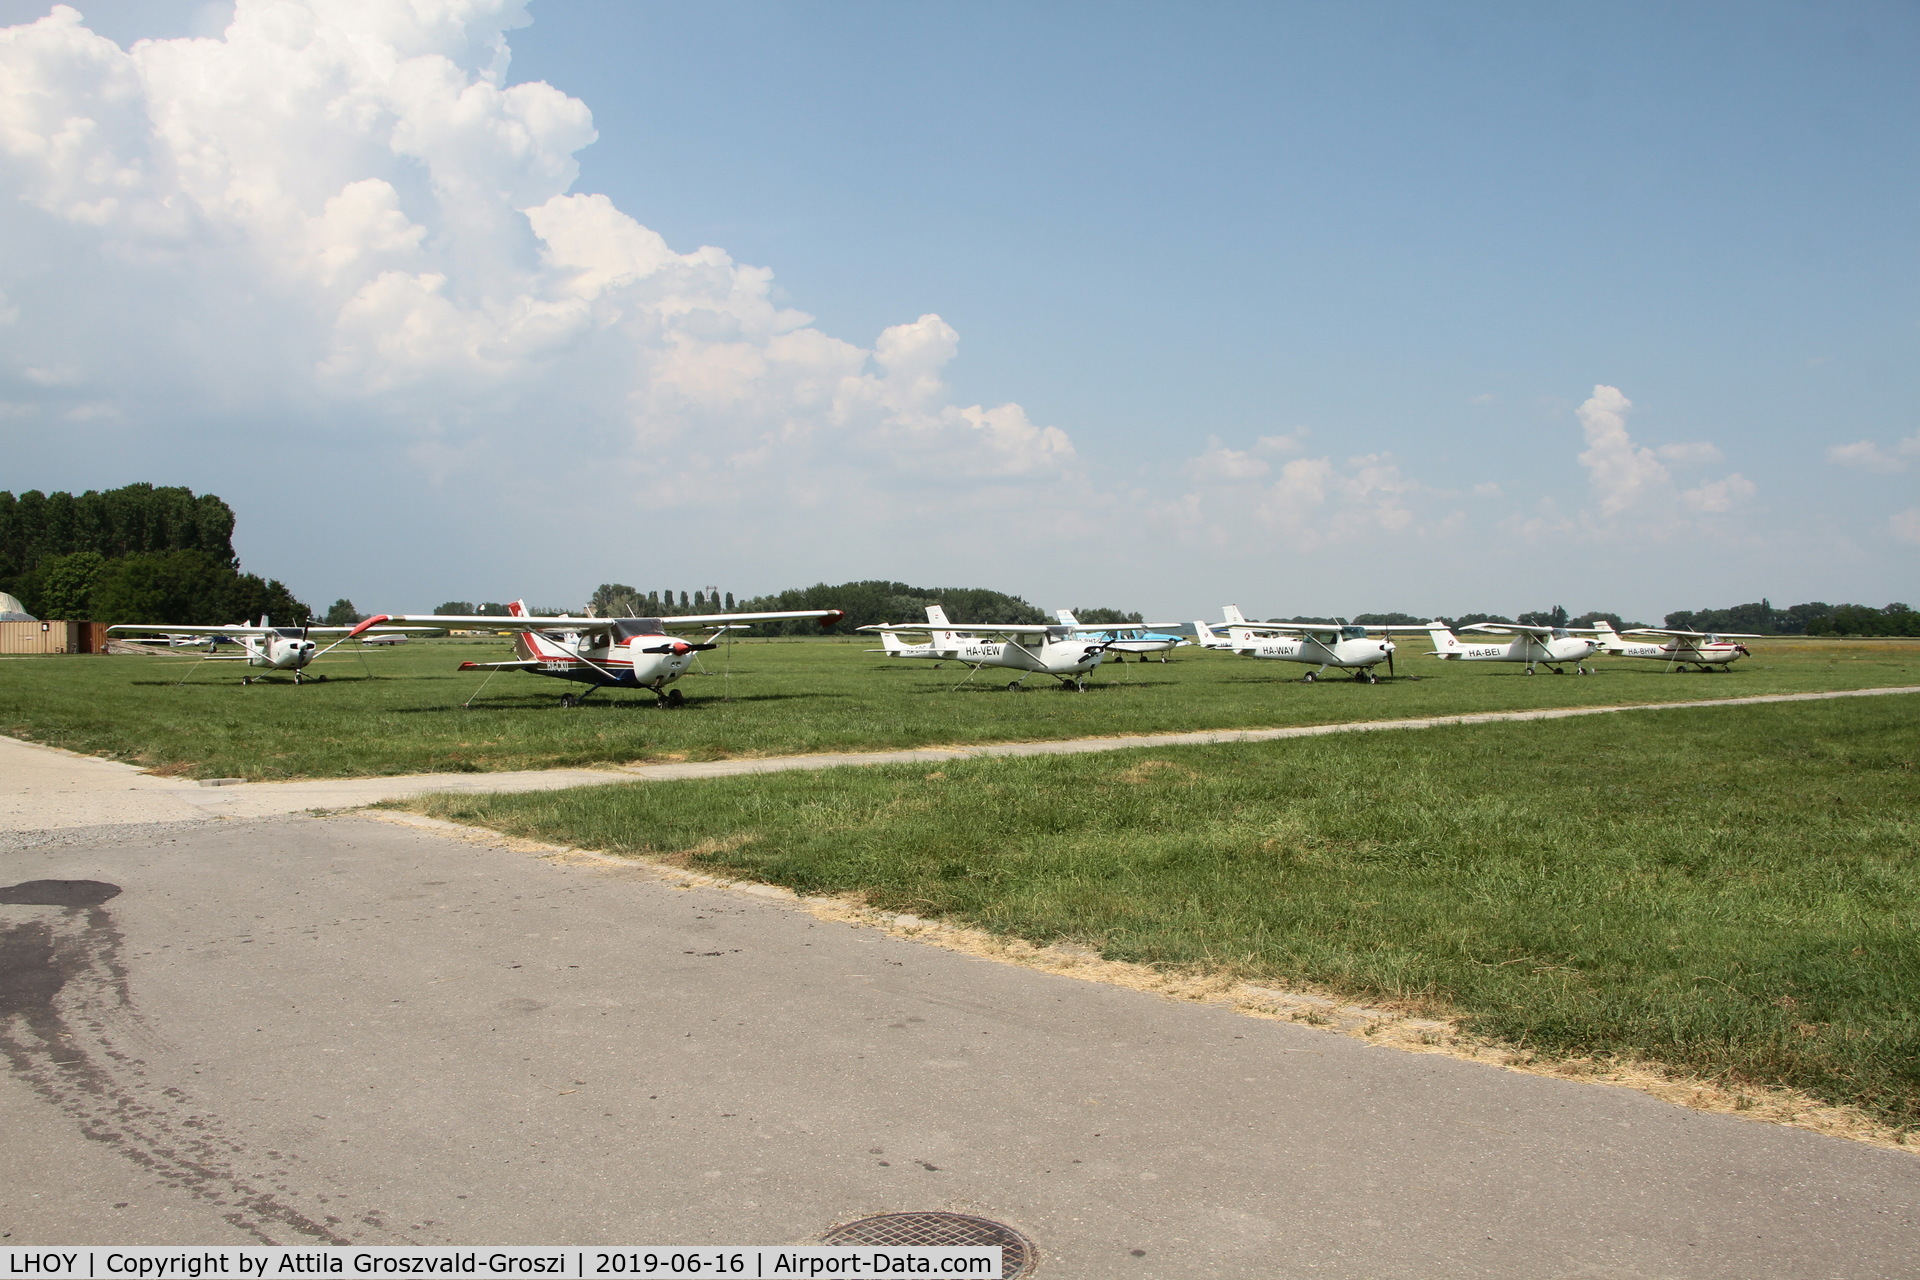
(1731, 891)
(787, 697)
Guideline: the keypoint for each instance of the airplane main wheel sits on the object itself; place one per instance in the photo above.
(568, 700)
(1013, 686)
(675, 698)
(1309, 678)
(1529, 670)
(246, 679)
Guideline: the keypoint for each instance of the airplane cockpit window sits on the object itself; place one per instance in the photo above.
(287, 633)
(1059, 633)
(1353, 633)
(1559, 633)
(627, 628)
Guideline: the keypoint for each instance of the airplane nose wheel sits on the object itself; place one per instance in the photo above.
(675, 698)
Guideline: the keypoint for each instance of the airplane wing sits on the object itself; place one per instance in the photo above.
(380, 630)
(977, 629)
(490, 622)
(231, 629)
(507, 623)
(827, 618)
(1123, 626)
(1510, 628)
(1693, 635)
(501, 666)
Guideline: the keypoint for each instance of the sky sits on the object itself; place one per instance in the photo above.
(1316, 309)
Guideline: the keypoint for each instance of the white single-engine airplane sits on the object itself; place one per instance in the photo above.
(1137, 638)
(1031, 648)
(265, 645)
(606, 653)
(1549, 647)
(1317, 644)
(1706, 650)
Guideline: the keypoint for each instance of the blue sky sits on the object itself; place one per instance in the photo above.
(1402, 246)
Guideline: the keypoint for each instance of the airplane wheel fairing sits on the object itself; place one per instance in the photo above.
(675, 698)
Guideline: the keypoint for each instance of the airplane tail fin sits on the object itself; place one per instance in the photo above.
(937, 616)
(891, 642)
(1066, 617)
(518, 609)
(1445, 643)
(1232, 614)
(1204, 634)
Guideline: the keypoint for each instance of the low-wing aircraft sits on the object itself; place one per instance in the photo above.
(1031, 648)
(1136, 638)
(1704, 650)
(606, 653)
(1549, 647)
(1317, 644)
(265, 645)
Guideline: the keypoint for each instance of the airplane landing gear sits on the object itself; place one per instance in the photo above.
(675, 698)
(1013, 686)
(1529, 668)
(568, 700)
(1366, 677)
(1310, 677)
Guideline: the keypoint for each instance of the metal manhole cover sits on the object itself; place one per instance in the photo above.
(1017, 1254)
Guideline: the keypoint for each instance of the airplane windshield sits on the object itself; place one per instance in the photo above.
(1559, 633)
(287, 633)
(1353, 633)
(627, 628)
(1059, 633)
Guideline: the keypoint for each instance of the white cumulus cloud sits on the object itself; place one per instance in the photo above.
(1869, 456)
(343, 212)
(1631, 479)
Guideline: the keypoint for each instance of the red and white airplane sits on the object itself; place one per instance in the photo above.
(605, 653)
(1705, 650)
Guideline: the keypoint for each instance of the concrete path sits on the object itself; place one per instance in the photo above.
(309, 1029)
(45, 788)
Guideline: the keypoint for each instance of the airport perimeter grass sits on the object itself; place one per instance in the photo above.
(1730, 891)
(787, 697)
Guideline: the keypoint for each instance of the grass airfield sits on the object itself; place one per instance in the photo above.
(1731, 892)
(782, 697)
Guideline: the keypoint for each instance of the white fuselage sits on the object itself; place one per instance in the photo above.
(1320, 651)
(1055, 655)
(643, 659)
(1533, 650)
(1715, 654)
(1136, 641)
(280, 651)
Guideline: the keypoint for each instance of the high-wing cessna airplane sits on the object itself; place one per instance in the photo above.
(1705, 650)
(1063, 652)
(1550, 647)
(942, 643)
(1135, 638)
(606, 653)
(265, 645)
(1317, 644)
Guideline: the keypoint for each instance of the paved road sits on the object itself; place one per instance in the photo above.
(337, 1029)
(44, 788)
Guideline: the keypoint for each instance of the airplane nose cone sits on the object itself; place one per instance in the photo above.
(681, 647)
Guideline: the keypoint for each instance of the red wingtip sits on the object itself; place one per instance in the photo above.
(468, 666)
(832, 617)
(374, 621)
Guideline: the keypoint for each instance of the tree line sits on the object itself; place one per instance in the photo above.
(1815, 618)
(142, 553)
